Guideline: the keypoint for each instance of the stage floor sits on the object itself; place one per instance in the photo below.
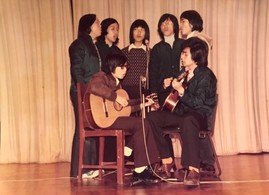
(241, 174)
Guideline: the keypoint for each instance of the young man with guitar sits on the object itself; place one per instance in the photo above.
(113, 101)
(196, 101)
(191, 25)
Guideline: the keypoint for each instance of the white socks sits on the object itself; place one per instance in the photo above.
(194, 169)
(127, 151)
(140, 169)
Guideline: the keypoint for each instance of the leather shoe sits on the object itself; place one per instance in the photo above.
(166, 170)
(207, 168)
(145, 177)
(191, 179)
(180, 174)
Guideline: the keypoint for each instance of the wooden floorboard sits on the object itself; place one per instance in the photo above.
(242, 174)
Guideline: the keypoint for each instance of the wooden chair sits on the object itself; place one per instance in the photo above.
(88, 128)
(175, 133)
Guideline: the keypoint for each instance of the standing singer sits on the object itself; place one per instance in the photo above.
(164, 58)
(137, 54)
(85, 61)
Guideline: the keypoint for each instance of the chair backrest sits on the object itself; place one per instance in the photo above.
(85, 116)
(212, 118)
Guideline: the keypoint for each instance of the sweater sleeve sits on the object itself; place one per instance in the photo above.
(99, 86)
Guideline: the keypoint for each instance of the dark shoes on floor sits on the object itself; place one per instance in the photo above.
(208, 173)
(207, 168)
(146, 177)
(179, 174)
(191, 179)
(165, 170)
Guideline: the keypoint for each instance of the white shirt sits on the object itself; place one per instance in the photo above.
(170, 39)
(132, 46)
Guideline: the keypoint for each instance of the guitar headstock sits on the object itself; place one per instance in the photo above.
(183, 75)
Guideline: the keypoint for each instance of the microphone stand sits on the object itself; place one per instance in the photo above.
(142, 88)
(147, 69)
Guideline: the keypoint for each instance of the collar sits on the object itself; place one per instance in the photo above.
(132, 46)
(170, 39)
(117, 81)
(202, 36)
(193, 34)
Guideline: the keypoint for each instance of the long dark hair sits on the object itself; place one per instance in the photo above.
(85, 23)
(104, 26)
(173, 18)
(139, 23)
(194, 19)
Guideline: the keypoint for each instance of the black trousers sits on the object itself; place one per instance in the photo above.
(190, 124)
(137, 143)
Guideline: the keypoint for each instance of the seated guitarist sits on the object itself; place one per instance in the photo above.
(105, 86)
(196, 103)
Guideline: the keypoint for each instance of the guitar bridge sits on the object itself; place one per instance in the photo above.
(105, 107)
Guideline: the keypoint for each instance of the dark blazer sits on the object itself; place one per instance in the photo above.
(200, 94)
(83, 58)
(105, 50)
(164, 63)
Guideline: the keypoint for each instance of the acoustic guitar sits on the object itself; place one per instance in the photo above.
(172, 99)
(104, 112)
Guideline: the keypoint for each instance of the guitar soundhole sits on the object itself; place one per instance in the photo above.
(117, 106)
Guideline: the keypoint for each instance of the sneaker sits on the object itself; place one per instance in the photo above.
(91, 174)
(145, 177)
(191, 178)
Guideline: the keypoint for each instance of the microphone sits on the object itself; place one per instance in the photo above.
(143, 84)
(147, 44)
(143, 81)
(148, 59)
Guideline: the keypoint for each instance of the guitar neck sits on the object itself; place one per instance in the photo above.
(134, 102)
(183, 75)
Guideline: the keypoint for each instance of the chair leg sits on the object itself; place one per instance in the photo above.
(101, 154)
(216, 157)
(120, 157)
(80, 159)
